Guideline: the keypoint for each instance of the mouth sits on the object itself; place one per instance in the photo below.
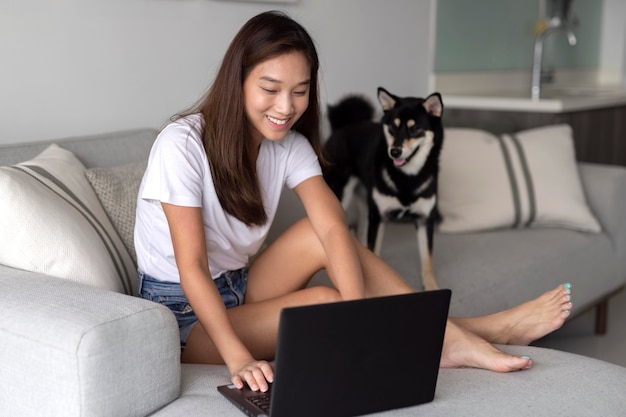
(278, 123)
(398, 162)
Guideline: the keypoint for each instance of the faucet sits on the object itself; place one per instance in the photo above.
(561, 21)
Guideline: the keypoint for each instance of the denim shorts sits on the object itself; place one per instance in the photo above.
(231, 285)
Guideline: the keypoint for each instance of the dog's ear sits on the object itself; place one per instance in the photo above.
(386, 99)
(434, 105)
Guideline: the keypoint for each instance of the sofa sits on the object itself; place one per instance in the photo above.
(75, 341)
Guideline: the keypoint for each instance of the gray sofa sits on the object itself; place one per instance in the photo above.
(69, 349)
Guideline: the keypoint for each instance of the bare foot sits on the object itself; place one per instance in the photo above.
(525, 323)
(462, 349)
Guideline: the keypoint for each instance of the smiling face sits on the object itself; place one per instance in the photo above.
(276, 94)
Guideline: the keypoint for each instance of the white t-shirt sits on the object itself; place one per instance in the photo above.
(178, 173)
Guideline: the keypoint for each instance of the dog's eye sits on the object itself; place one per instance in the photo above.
(415, 132)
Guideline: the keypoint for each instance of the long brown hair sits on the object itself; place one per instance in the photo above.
(226, 132)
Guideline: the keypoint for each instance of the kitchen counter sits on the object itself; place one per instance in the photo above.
(571, 91)
(499, 101)
(552, 101)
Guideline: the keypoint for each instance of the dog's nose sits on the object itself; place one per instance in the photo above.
(395, 152)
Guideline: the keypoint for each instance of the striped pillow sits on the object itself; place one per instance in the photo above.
(523, 180)
(53, 223)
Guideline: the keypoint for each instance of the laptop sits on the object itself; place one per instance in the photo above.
(353, 357)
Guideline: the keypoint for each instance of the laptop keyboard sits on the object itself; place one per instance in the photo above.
(262, 401)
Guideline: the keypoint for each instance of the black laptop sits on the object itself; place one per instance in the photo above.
(353, 357)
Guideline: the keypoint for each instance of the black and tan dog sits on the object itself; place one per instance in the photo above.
(396, 163)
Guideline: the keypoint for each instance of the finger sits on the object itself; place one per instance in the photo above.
(268, 371)
(237, 381)
(259, 377)
(251, 380)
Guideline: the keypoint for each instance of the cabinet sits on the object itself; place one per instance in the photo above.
(599, 134)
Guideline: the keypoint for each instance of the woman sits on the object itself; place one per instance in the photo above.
(210, 193)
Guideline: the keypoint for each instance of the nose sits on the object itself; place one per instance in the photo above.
(284, 103)
(395, 152)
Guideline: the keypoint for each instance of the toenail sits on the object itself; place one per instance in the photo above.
(566, 312)
(568, 297)
(567, 286)
(525, 357)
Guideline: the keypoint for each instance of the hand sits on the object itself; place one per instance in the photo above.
(255, 373)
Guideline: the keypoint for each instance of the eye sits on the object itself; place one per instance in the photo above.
(300, 93)
(269, 90)
(415, 131)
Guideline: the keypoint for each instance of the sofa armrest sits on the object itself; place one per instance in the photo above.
(67, 349)
(605, 189)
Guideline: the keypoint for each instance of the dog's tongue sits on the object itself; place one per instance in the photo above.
(398, 162)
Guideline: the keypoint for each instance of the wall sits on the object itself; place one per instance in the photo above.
(73, 67)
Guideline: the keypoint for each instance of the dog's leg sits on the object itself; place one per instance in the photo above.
(374, 238)
(348, 192)
(361, 219)
(380, 233)
(425, 231)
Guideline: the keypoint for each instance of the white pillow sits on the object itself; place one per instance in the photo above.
(53, 223)
(527, 179)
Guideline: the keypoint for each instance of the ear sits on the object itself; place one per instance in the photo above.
(386, 99)
(434, 105)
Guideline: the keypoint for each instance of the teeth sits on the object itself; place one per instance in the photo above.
(277, 121)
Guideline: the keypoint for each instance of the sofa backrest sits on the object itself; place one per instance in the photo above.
(103, 150)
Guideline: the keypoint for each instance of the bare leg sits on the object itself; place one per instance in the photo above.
(462, 347)
(256, 324)
(278, 278)
(525, 323)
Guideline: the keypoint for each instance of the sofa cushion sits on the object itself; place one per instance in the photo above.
(595, 388)
(117, 188)
(495, 270)
(527, 179)
(52, 222)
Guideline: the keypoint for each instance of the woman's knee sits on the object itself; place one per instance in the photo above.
(323, 294)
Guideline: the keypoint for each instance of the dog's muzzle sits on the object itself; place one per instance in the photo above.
(396, 156)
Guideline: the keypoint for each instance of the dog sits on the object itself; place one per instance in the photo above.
(395, 162)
